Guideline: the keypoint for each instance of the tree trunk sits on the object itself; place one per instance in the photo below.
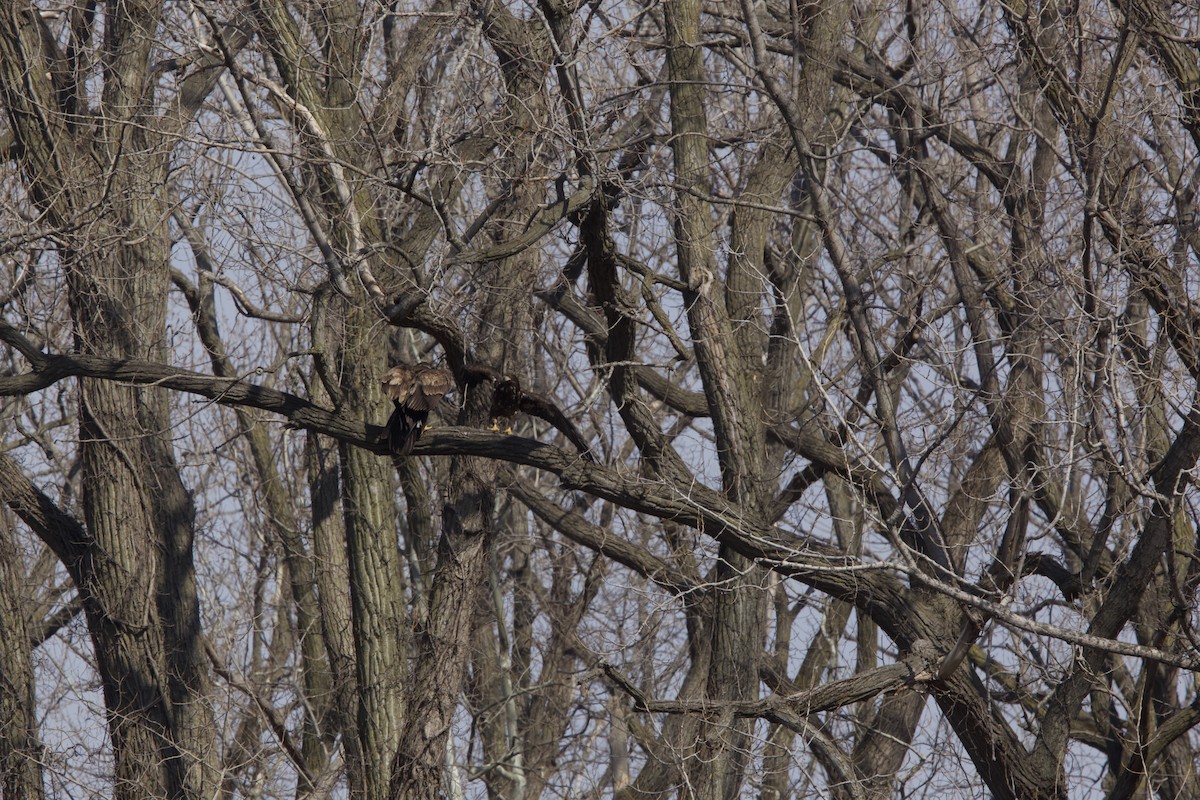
(20, 753)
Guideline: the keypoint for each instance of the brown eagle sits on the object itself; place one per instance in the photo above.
(508, 398)
(415, 391)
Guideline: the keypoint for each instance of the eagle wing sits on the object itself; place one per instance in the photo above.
(432, 386)
(419, 387)
(415, 391)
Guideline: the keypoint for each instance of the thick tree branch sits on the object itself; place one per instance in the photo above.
(789, 708)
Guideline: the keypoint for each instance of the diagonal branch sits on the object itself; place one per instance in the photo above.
(790, 709)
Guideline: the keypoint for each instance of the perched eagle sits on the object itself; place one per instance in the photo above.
(508, 398)
(415, 391)
(506, 402)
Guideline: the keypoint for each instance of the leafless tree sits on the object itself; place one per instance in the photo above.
(860, 350)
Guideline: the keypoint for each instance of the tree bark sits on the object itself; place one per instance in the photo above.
(21, 755)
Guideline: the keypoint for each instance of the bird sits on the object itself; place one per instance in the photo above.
(415, 390)
(508, 398)
(506, 402)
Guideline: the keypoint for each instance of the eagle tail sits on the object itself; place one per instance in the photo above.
(404, 428)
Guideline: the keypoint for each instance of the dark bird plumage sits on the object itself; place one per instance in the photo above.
(508, 398)
(415, 390)
(506, 402)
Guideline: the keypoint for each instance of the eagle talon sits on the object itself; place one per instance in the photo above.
(508, 400)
